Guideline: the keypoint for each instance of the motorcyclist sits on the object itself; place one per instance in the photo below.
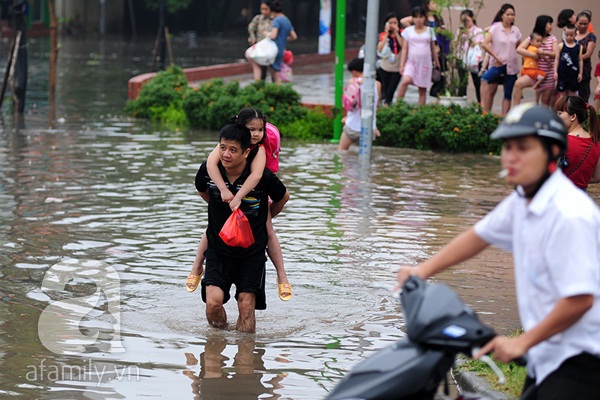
(553, 230)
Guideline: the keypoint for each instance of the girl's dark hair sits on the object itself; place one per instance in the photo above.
(267, 3)
(276, 6)
(584, 14)
(425, 5)
(588, 12)
(248, 114)
(575, 105)
(418, 12)
(540, 24)
(469, 13)
(563, 17)
(389, 16)
(356, 64)
(501, 11)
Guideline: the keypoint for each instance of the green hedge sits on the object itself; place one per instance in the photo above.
(435, 127)
(167, 99)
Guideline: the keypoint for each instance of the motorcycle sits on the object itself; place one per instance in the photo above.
(439, 326)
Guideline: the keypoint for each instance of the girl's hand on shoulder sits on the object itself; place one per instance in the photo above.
(235, 203)
(226, 196)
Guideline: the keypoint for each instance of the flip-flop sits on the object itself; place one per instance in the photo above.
(285, 291)
(192, 282)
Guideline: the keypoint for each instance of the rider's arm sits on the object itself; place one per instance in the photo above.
(565, 313)
(461, 248)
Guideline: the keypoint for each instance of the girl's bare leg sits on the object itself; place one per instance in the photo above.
(422, 96)
(276, 256)
(275, 253)
(256, 71)
(199, 261)
(488, 91)
(197, 268)
(406, 80)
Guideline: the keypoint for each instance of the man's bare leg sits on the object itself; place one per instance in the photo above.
(246, 320)
(215, 312)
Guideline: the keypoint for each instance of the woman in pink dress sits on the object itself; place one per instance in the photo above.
(545, 57)
(415, 59)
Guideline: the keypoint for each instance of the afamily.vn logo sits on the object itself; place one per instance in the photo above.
(84, 311)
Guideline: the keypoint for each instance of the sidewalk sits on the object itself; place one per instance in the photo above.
(316, 85)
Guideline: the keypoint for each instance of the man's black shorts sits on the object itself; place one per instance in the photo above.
(246, 273)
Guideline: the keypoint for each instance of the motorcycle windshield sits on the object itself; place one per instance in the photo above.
(435, 315)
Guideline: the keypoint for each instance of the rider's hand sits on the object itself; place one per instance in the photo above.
(505, 349)
(403, 274)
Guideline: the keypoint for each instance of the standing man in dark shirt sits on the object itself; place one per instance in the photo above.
(226, 265)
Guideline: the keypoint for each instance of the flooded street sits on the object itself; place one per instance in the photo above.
(100, 191)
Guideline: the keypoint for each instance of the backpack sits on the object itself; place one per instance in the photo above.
(351, 97)
(272, 144)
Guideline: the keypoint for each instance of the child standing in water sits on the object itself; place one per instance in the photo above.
(259, 158)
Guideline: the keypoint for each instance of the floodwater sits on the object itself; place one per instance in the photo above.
(99, 222)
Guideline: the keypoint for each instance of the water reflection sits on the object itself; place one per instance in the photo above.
(242, 377)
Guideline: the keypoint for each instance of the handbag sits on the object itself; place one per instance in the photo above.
(564, 161)
(236, 231)
(263, 52)
(436, 74)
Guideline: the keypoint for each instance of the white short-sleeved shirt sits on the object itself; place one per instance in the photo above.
(555, 241)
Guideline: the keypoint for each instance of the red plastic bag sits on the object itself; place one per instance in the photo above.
(236, 231)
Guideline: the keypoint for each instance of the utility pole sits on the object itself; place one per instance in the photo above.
(340, 51)
(368, 87)
(102, 23)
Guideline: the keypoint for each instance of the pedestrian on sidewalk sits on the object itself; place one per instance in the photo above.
(282, 30)
(388, 49)
(417, 54)
(257, 31)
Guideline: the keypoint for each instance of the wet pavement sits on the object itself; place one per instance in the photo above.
(316, 85)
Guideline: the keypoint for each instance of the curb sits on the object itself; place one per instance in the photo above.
(470, 382)
(221, 70)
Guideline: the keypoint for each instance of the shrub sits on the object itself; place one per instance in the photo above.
(167, 99)
(314, 126)
(160, 97)
(212, 104)
(435, 127)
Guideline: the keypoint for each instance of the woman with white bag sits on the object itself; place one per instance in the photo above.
(257, 31)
